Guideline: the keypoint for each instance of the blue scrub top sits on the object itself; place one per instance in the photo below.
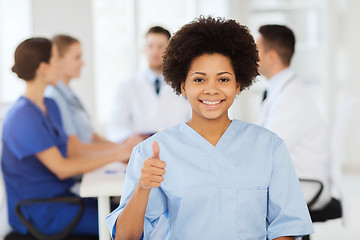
(75, 119)
(26, 132)
(243, 188)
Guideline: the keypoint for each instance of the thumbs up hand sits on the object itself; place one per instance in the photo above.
(153, 170)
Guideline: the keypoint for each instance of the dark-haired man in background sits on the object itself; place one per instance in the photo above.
(289, 111)
(145, 104)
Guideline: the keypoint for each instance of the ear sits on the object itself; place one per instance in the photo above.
(274, 56)
(238, 86)
(182, 87)
(42, 68)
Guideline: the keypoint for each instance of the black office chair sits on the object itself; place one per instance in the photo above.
(332, 210)
(35, 234)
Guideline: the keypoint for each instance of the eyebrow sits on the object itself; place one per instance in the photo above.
(204, 74)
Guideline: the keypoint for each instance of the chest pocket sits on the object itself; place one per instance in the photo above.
(251, 213)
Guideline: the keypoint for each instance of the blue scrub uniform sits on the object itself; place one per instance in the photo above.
(26, 132)
(75, 119)
(243, 188)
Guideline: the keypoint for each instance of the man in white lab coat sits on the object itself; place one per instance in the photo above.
(289, 111)
(145, 104)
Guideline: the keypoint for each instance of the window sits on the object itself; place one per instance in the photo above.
(15, 26)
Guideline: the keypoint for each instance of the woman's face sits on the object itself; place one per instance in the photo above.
(210, 86)
(52, 68)
(71, 62)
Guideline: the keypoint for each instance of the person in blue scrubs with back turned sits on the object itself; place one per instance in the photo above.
(38, 160)
(214, 178)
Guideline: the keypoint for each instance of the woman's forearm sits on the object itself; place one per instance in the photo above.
(79, 165)
(101, 140)
(130, 222)
(65, 168)
(77, 149)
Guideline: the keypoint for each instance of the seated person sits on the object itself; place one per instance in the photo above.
(38, 159)
(214, 177)
(75, 119)
(145, 104)
(289, 111)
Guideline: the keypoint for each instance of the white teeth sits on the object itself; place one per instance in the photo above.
(211, 103)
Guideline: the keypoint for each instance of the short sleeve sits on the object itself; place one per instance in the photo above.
(288, 214)
(27, 133)
(157, 204)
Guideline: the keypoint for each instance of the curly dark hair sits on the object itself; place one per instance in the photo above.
(207, 35)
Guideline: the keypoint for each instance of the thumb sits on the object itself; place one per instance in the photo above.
(156, 149)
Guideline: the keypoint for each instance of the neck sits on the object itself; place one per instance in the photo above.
(210, 129)
(156, 70)
(66, 80)
(35, 92)
(275, 70)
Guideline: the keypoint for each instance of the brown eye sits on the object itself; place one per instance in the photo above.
(198, 80)
(224, 80)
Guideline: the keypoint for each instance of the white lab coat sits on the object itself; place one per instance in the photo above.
(138, 109)
(290, 112)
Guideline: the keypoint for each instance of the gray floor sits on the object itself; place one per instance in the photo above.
(334, 229)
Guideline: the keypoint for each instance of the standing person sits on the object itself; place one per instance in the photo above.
(38, 159)
(145, 105)
(216, 178)
(76, 120)
(289, 111)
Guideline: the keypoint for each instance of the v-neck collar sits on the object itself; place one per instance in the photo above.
(33, 105)
(46, 115)
(217, 156)
(195, 136)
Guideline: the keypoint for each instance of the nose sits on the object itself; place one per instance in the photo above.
(211, 88)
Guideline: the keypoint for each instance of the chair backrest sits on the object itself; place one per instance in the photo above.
(4, 226)
(344, 113)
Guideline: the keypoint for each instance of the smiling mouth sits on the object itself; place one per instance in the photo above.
(211, 102)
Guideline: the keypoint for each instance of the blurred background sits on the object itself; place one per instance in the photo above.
(112, 34)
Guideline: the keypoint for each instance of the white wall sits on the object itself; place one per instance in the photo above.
(349, 84)
(113, 45)
(112, 34)
(52, 17)
(15, 26)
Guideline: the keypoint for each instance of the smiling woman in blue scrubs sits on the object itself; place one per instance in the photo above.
(214, 178)
(37, 159)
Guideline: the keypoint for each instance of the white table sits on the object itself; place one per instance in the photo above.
(103, 183)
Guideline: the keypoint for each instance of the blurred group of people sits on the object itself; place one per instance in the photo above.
(48, 139)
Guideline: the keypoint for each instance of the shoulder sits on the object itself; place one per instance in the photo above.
(137, 78)
(127, 86)
(22, 114)
(53, 93)
(49, 102)
(256, 134)
(296, 100)
(251, 128)
(52, 106)
(296, 90)
(50, 91)
(22, 108)
(167, 136)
